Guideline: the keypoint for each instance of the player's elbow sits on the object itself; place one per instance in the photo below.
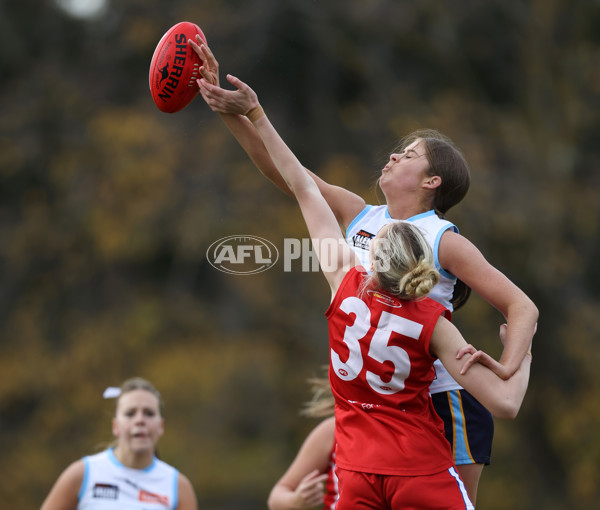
(506, 409)
(271, 502)
(535, 311)
(528, 306)
(507, 413)
(279, 498)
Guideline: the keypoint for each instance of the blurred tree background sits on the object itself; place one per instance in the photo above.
(107, 208)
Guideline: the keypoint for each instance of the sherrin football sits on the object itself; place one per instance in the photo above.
(174, 68)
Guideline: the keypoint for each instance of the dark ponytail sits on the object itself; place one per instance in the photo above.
(460, 295)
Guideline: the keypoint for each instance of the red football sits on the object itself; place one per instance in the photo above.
(174, 68)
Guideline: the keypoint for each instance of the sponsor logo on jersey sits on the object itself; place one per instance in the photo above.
(385, 299)
(365, 405)
(105, 491)
(362, 239)
(150, 497)
(242, 254)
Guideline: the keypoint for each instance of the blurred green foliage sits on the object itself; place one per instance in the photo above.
(107, 208)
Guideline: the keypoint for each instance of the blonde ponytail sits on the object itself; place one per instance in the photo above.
(322, 403)
(403, 263)
(419, 281)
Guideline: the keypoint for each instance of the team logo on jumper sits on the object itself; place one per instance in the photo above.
(362, 239)
(242, 254)
(105, 491)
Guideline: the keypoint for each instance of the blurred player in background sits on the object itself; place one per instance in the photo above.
(310, 480)
(128, 475)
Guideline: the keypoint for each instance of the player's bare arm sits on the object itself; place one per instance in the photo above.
(461, 258)
(334, 254)
(63, 495)
(345, 204)
(503, 398)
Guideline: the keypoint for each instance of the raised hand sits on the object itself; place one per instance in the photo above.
(239, 101)
(209, 70)
(481, 357)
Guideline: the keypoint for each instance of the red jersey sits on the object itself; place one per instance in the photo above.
(380, 371)
(331, 485)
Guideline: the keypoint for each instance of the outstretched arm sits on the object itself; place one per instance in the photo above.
(459, 256)
(335, 256)
(503, 398)
(345, 204)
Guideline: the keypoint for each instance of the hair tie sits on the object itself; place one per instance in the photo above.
(112, 392)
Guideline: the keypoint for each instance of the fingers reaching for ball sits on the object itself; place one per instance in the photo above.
(220, 100)
(209, 69)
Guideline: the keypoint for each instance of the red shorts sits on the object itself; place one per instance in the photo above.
(440, 491)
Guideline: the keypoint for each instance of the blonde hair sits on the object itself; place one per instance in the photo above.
(403, 263)
(322, 403)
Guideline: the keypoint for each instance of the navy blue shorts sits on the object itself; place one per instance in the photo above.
(468, 425)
